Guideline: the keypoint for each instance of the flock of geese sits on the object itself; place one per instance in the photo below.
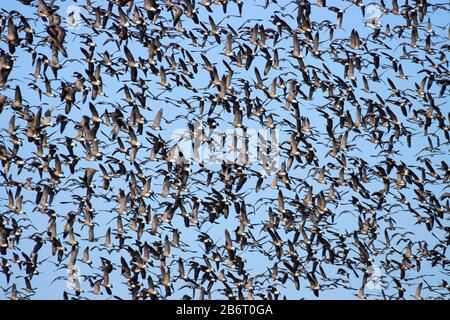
(99, 201)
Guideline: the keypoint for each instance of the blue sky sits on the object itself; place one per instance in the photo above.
(255, 263)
